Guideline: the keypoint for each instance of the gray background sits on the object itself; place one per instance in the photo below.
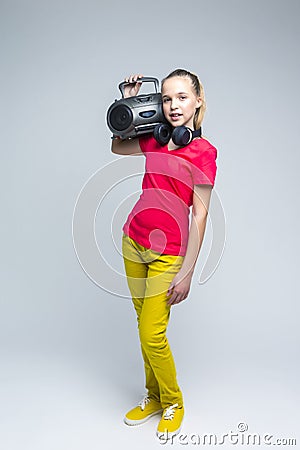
(70, 360)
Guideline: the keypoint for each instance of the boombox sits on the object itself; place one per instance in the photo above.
(134, 116)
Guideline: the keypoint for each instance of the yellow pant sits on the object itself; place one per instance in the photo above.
(149, 275)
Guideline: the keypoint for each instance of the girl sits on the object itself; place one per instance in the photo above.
(159, 247)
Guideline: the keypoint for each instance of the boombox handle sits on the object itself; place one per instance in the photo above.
(143, 80)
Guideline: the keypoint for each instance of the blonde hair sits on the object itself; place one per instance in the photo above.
(199, 91)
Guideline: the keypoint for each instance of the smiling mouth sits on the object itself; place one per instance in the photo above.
(175, 116)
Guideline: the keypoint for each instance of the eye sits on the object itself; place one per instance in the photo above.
(166, 99)
(183, 97)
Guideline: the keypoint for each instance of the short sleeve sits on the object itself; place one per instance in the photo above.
(145, 142)
(204, 167)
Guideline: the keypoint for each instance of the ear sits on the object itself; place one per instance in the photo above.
(199, 102)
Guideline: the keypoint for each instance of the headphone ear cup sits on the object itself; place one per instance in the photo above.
(162, 133)
(182, 136)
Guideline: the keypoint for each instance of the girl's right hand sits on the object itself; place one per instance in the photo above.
(132, 89)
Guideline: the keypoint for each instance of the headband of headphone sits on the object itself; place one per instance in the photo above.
(181, 135)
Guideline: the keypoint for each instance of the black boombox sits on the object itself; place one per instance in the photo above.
(133, 116)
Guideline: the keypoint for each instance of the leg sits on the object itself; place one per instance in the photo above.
(154, 319)
(137, 270)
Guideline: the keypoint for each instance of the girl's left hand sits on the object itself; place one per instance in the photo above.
(179, 289)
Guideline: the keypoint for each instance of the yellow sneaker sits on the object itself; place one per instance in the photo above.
(170, 423)
(143, 411)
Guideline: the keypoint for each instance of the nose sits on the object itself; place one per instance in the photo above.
(173, 103)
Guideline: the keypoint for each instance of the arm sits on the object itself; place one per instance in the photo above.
(180, 285)
(128, 146)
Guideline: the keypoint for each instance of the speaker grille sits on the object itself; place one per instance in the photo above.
(121, 117)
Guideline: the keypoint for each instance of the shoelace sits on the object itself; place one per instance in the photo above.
(169, 412)
(144, 402)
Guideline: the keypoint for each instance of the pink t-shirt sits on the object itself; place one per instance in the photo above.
(160, 218)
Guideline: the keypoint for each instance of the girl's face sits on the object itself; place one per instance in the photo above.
(179, 101)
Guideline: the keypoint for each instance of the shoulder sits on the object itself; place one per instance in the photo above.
(202, 149)
(205, 145)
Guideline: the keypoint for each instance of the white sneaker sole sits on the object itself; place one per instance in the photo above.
(139, 422)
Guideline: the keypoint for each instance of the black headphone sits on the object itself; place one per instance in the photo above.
(181, 135)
